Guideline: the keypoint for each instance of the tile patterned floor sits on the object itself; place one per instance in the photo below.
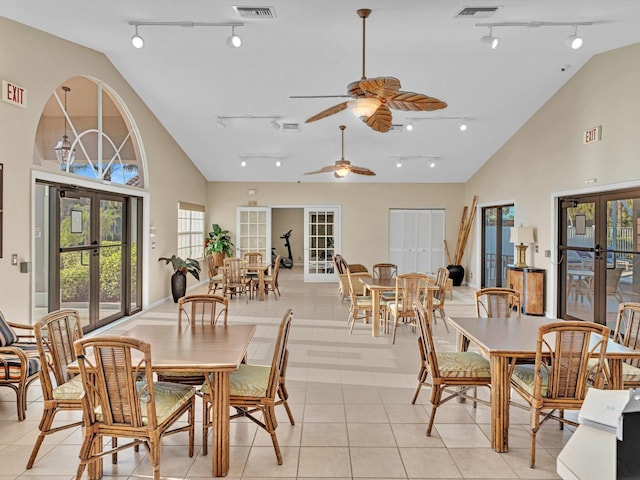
(350, 395)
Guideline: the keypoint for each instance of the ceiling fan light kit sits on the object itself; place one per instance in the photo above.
(374, 97)
(342, 167)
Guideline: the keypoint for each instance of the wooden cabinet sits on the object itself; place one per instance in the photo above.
(530, 283)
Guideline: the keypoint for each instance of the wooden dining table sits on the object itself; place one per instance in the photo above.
(213, 350)
(258, 268)
(376, 286)
(504, 339)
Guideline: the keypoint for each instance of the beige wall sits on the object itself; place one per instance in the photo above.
(40, 63)
(364, 206)
(547, 157)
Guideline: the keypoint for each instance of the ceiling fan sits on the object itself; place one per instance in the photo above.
(374, 96)
(343, 167)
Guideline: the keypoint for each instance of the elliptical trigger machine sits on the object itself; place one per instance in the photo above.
(286, 262)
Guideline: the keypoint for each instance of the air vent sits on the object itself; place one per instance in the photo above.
(396, 128)
(476, 12)
(255, 12)
(290, 127)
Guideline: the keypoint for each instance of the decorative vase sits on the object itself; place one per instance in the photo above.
(456, 274)
(218, 259)
(178, 285)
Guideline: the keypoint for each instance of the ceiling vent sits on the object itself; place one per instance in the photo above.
(476, 12)
(290, 127)
(255, 12)
(396, 128)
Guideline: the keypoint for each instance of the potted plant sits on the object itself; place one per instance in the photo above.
(219, 244)
(180, 269)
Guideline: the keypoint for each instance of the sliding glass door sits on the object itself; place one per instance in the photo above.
(497, 251)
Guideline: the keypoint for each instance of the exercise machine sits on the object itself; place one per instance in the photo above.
(286, 262)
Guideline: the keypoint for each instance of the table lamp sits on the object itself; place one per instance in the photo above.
(521, 237)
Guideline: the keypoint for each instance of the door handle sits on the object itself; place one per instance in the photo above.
(598, 251)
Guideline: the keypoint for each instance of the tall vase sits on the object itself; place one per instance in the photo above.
(178, 285)
(456, 274)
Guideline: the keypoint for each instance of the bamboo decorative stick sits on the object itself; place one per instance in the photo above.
(446, 249)
(465, 230)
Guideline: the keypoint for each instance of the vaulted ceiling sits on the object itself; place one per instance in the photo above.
(189, 77)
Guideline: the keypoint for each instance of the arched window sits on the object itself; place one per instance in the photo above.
(85, 130)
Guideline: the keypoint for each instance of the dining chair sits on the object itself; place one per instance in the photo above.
(497, 302)
(203, 309)
(19, 361)
(410, 288)
(215, 277)
(357, 270)
(612, 287)
(252, 257)
(559, 377)
(627, 333)
(61, 391)
(271, 281)
(440, 295)
(235, 282)
(384, 271)
(361, 306)
(257, 388)
(123, 401)
(460, 370)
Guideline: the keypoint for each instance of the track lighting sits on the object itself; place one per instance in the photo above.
(462, 121)
(137, 41)
(274, 120)
(243, 163)
(274, 123)
(463, 126)
(398, 164)
(575, 41)
(278, 163)
(233, 41)
(409, 127)
(432, 164)
(220, 123)
(490, 40)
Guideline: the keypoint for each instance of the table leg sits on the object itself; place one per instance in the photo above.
(500, 390)
(219, 388)
(261, 285)
(615, 370)
(375, 314)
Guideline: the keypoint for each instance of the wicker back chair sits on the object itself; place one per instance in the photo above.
(613, 283)
(253, 257)
(361, 306)
(341, 267)
(627, 333)
(440, 295)
(559, 378)
(384, 271)
(257, 388)
(203, 309)
(410, 288)
(215, 278)
(271, 281)
(55, 334)
(447, 369)
(235, 282)
(123, 401)
(495, 302)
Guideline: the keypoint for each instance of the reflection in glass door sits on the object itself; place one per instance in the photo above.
(497, 250)
(599, 248)
(321, 241)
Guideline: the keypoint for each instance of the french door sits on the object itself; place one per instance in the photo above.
(321, 241)
(497, 251)
(88, 258)
(598, 249)
(253, 227)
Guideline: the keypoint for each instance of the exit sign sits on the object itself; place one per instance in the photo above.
(593, 134)
(14, 94)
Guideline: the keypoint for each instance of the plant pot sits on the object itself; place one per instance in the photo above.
(178, 285)
(456, 274)
(218, 259)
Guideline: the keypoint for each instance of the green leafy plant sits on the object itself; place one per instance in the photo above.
(219, 240)
(181, 265)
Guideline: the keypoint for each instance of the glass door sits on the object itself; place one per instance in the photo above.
(253, 231)
(497, 251)
(321, 241)
(599, 250)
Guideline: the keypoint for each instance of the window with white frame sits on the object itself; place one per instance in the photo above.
(190, 230)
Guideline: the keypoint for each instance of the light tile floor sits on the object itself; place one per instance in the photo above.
(350, 395)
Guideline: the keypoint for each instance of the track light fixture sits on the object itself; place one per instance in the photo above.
(491, 41)
(409, 126)
(220, 123)
(137, 41)
(573, 40)
(462, 125)
(432, 164)
(233, 41)
(275, 124)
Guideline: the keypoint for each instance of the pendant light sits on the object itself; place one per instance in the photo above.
(64, 154)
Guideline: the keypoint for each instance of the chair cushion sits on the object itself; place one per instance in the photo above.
(71, 390)
(363, 301)
(247, 381)
(463, 364)
(7, 334)
(523, 375)
(216, 278)
(388, 296)
(630, 374)
(11, 367)
(169, 398)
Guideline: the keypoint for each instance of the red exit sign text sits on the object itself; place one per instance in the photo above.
(593, 134)
(14, 94)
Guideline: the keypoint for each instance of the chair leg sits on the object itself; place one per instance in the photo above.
(422, 377)
(206, 412)
(535, 426)
(284, 396)
(436, 396)
(443, 315)
(271, 424)
(395, 327)
(45, 425)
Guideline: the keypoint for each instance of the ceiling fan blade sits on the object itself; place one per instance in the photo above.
(361, 171)
(381, 120)
(414, 102)
(319, 96)
(380, 86)
(327, 112)
(329, 168)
